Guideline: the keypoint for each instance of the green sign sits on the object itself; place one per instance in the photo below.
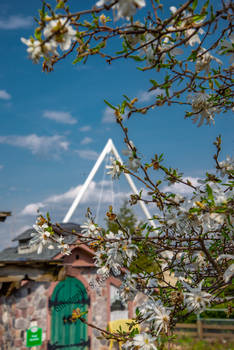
(34, 336)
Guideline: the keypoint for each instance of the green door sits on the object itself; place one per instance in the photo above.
(65, 334)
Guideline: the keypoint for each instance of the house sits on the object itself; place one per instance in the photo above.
(3, 215)
(43, 290)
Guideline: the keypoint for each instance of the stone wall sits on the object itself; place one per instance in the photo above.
(99, 295)
(18, 312)
(28, 306)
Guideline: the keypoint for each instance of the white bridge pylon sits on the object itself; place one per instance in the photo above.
(110, 147)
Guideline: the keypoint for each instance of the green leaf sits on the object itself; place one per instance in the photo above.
(42, 11)
(155, 84)
(217, 83)
(37, 34)
(205, 5)
(197, 18)
(212, 16)
(120, 52)
(78, 59)
(60, 5)
(110, 105)
(194, 5)
(160, 157)
(193, 56)
(137, 58)
(127, 98)
(122, 108)
(141, 69)
(210, 193)
(94, 15)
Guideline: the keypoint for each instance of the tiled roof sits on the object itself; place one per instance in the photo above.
(66, 226)
(11, 254)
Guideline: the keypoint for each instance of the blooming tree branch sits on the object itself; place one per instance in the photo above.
(183, 263)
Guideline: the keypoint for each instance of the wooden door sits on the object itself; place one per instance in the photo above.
(65, 334)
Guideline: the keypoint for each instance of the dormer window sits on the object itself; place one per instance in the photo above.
(24, 247)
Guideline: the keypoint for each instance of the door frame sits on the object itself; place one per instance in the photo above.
(72, 273)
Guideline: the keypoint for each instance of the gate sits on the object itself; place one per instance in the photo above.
(65, 334)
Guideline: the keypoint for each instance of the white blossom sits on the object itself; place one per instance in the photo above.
(103, 2)
(63, 32)
(89, 229)
(227, 46)
(36, 49)
(128, 288)
(166, 45)
(103, 271)
(195, 39)
(230, 270)
(201, 106)
(121, 245)
(204, 59)
(133, 161)
(226, 166)
(129, 250)
(109, 260)
(154, 311)
(154, 48)
(178, 198)
(142, 341)
(115, 264)
(134, 39)
(228, 273)
(150, 48)
(185, 24)
(200, 260)
(124, 8)
(114, 169)
(64, 247)
(41, 237)
(196, 299)
(114, 236)
(127, 8)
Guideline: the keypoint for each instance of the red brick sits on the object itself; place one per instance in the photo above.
(18, 342)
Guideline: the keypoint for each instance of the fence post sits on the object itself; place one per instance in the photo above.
(199, 327)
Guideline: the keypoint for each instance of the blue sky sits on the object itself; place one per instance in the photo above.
(53, 126)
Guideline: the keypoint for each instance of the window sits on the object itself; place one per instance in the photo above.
(119, 309)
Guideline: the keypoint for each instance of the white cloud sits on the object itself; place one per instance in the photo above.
(92, 195)
(32, 209)
(60, 117)
(85, 128)
(1, 166)
(42, 145)
(180, 188)
(87, 154)
(86, 141)
(64, 197)
(108, 115)
(15, 22)
(106, 183)
(4, 95)
(147, 96)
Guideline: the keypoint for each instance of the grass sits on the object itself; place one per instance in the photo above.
(187, 343)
